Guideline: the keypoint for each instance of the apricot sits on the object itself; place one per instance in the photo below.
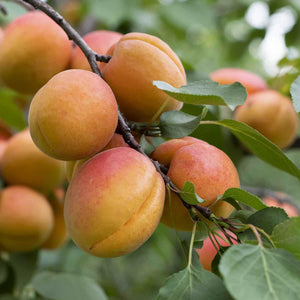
(33, 50)
(73, 116)
(114, 202)
(251, 81)
(25, 164)
(72, 166)
(58, 235)
(272, 114)
(100, 41)
(137, 60)
(211, 171)
(208, 251)
(26, 219)
(291, 210)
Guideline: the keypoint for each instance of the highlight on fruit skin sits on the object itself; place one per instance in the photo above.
(114, 202)
(23, 163)
(137, 60)
(207, 167)
(34, 49)
(272, 114)
(73, 116)
(251, 81)
(26, 219)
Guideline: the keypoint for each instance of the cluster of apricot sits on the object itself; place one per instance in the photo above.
(116, 197)
(31, 205)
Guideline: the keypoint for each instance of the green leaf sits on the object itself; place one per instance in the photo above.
(260, 146)
(268, 218)
(295, 93)
(146, 145)
(58, 286)
(10, 113)
(252, 272)
(177, 124)
(24, 266)
(189, 194)
(245, 198)
(193, 283)
(206, 92)
(287, 236)
(3, 271)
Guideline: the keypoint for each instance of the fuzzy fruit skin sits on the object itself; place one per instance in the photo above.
(137, 60)
(114, 202)
(26, 219)
(72, 166)
(58, 235)
(100, 41)
(208, 252)
(33, 50)
(25, 164)
(73, 116)
(272, 114)
(209, 168)
(251, 81)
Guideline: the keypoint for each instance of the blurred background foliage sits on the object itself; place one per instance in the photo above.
(260, 36)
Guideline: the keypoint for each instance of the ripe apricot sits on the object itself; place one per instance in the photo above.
(211, 171)
(34, 49)
(114, 202)
(290, 209)
(100, 41)
(251, 81)
(208, 251)
(272, 114)
(26, 219)
(72, 166)
(73, 116)
(25, 164)
(137, 60)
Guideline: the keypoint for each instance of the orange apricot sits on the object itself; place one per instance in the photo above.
(208, 251)
(251, 81)
(211, 171)
(137, 60)
(272, 114)
(26, 219)
(72, 166)
(34, 49)
(291, 210)
(100, 41)
(25, 164)
(73, 116)
(114, 202)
